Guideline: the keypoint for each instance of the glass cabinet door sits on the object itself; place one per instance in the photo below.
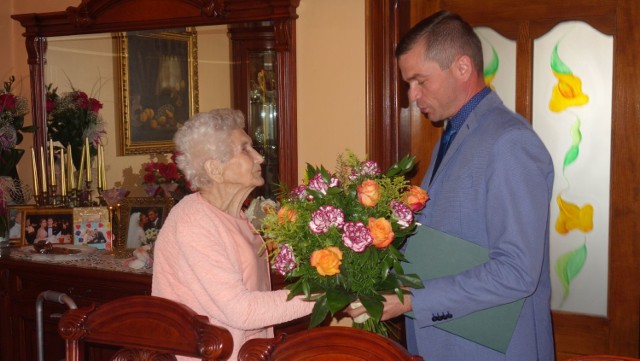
(262, 115)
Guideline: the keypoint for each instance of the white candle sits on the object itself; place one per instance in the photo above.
(44, 170)
(98, 168)
(88, 159)
(36, 190)
(81, 167)
(52, 164)
(63, 174)
(70, 179)
(104, 172)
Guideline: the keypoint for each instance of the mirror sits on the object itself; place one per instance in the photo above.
(91, 63)
(61, 47)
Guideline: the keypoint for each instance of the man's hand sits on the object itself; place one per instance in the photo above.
(392, 307)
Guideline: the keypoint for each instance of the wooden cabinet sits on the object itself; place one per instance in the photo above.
(22, 282)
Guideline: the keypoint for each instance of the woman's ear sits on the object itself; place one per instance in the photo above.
(214, 170)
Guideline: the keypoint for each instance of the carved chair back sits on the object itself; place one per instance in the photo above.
(326, 344)
(146, 328)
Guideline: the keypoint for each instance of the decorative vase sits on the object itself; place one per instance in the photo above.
(169, 189)
(151, 189)
(9, 158)
(76, 155)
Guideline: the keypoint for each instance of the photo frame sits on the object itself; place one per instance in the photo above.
(47, 224)
(158, 87)
(16, 223)
(141, 218)
(91, 227)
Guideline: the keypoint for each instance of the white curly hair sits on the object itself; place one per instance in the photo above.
(205, 136)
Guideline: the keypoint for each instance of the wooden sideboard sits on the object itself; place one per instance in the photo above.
(21, 281)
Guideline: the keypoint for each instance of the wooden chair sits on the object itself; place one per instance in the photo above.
(601, 358)
(147, 328)
(325, 344)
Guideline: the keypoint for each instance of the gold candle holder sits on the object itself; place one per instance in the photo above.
(52, 200)
(85, 195)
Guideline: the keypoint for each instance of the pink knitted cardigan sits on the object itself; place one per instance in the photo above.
(215, 264)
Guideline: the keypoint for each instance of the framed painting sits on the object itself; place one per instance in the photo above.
(91, 227)
(54, 225)
(158, 87)
(141, 218)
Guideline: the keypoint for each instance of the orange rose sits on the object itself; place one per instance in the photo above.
(369, 193)
(327, 261)
(416, 198)
(381, 232)
(286, 215)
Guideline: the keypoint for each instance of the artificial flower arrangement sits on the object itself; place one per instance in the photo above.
(72, 117)
(339, 237)
(13, 108)
(165, 178)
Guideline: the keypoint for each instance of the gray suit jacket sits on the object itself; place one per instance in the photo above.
(493, 188)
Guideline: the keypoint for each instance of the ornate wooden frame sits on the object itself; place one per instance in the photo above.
(98, 16)
(131, 128)
(130, 203)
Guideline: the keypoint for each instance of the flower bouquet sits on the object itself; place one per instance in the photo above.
(72, 117)
(12, 111)
(150, 235)
(165, 178)
(339, 236)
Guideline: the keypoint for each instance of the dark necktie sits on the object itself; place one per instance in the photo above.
(446, 139)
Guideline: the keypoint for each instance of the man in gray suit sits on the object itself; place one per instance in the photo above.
(492, 187)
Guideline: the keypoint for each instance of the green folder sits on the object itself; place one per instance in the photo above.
(432, 254)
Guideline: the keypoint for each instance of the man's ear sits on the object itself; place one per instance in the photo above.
(462, 67)
(214, 170)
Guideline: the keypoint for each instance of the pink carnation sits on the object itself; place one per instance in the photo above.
(285, 261)
(299, 192)
(318, 183)
(325, 217)
(402, 213)
(366, 168)
(356, 236)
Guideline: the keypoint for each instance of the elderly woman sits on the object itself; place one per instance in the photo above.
(207, 255)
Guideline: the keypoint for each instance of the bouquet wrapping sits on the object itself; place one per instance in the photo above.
(338, 237)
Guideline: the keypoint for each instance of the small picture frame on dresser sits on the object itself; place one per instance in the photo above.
(16, 224)
(47, 224)
(141, 218)
(91, 227)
